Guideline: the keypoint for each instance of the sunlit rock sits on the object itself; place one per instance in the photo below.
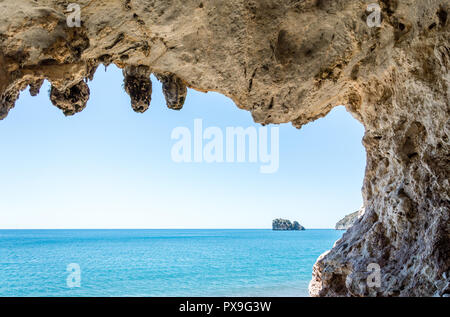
(349, 220)
(286, 225)
(284, 61)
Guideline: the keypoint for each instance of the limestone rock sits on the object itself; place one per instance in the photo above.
(174, 90)
(286, 225)
(284, 61)
(138, 86)
(70, 100)
(36, 87)
(349, 220)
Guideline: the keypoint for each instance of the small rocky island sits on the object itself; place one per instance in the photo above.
(286, 225)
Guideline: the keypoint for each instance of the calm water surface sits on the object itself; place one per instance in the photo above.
(161, 262)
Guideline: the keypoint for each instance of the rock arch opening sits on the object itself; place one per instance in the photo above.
(99, 136)
(284, 62)
(83, 161)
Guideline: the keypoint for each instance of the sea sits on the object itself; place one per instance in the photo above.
(150, 263)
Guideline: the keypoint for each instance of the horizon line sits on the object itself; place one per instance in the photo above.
(162, 229)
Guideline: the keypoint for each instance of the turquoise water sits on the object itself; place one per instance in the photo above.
(160, 262)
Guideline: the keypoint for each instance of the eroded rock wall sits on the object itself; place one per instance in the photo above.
(285, 61)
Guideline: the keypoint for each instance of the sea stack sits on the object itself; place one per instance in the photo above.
(286, 225)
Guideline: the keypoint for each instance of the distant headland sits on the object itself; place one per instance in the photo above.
(349, 220)
(286, 225)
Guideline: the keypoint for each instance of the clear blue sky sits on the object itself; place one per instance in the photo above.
(108, 167)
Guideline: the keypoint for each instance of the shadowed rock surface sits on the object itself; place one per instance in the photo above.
(174, 90)
(138, 86)
(284, 61)
(70, 100)
(36, 87)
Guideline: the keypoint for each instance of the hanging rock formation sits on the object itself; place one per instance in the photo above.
(174, 90)
(138, 86)
(285, 61)
(70, 100)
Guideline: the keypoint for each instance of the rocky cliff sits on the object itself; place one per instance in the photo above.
(285, 225)
(284, 61)
(349, 220)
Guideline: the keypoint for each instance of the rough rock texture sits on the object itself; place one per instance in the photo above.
(137, 84)
(286, 225)
(174, 90)
(285, 61)
(70, 100)
(348, 221)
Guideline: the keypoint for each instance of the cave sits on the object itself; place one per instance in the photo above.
(284, 61)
